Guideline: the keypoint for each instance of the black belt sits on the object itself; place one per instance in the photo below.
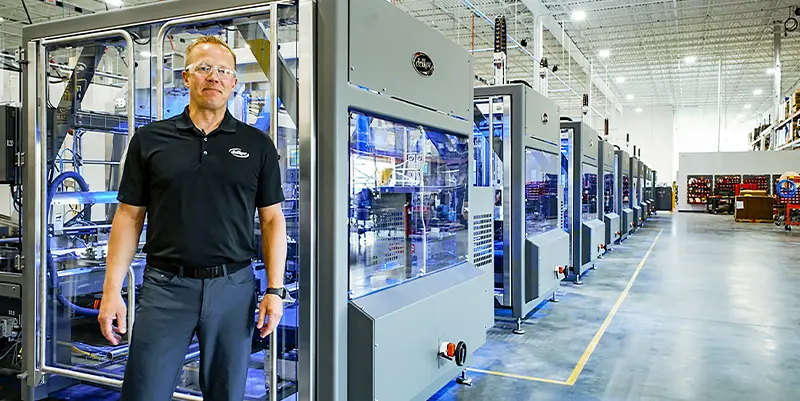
(205, 272)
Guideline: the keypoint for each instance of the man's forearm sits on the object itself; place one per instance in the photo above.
(273, 238)
(122, 245)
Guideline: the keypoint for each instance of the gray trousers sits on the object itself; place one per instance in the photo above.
(170, 311)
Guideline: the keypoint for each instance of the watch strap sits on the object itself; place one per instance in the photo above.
(281, 292)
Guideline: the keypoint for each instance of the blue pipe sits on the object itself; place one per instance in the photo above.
(51, 264)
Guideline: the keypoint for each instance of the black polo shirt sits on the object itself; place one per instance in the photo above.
(201, 191)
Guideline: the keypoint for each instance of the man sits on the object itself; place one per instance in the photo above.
(199, 177)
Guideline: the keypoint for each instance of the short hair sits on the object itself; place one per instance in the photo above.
(212, 40)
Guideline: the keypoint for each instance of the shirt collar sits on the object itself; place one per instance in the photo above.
(184, 122)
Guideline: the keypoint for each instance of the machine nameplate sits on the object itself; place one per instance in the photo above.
(423, 64)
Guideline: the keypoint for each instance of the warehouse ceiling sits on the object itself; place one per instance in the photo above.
(648, 42)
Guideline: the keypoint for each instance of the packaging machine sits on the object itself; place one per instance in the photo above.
(652, 191)
(403, 291)
(607, 210)
(587, 230)
(531, 250)
(640, 188)
(634, 191)
(623, 163)
(647, 190)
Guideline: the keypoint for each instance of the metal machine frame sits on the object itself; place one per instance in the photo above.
(588, 237)
(641, 201)
(635, 187)
(348, 349)
(623, 161)
(653, 178)
(607, 159)
(530, 264)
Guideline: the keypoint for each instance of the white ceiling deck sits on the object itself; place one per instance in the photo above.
(647, 40)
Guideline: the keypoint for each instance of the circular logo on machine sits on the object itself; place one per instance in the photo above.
(422, 64)
(545, 118)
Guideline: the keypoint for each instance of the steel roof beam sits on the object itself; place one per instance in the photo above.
(538, 8)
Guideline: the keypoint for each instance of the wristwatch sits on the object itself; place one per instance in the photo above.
(281, 292)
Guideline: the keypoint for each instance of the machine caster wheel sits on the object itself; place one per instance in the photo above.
(788, 228)
(554, 299)
(578, 281)
(519, 330)
(464, 379)
(594, 266)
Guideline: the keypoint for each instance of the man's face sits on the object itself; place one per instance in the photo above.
(209, 88)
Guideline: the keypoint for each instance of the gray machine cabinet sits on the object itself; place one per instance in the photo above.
(395, 334)
(522, 271)
(584, 151)
(548, 249)
(626, 212)
(396, 329)
(610, 218)
(613, 231)
(594, 237)
(643, 171)
(634, 192)
(381, 60)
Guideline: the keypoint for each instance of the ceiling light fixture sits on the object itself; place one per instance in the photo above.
(770, 71)
(620, 80)
(758, 92)
(145, 54)
(114, 2)
(740, 115)
(629, 97)
(604, 53)
(578, 15)
(690, 59)
(638, 109)
(747, 106)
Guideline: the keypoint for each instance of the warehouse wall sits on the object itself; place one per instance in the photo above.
(696, 130)
(733, 163)
(652, 129)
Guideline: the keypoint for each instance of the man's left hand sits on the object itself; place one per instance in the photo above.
(271, 308)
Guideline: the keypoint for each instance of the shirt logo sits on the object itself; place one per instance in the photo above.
(238, 152)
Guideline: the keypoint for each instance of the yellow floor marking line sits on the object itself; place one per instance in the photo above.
(521, 377)
(593, 344)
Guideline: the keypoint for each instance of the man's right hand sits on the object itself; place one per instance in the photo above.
(112, 307)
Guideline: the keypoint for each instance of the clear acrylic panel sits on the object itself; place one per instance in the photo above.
(408, 184)
(566, 145)
(608, 193)
(482, 158)
(589, 193)
(541, 191)
(249, 38)
(87, 108)
(498, 111)
(626, 191)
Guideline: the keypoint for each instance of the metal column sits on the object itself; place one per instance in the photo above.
(777, 30)
(719, 102)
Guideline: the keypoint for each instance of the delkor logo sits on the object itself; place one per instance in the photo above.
(238, 152)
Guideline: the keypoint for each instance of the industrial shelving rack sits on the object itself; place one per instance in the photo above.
(698, 189)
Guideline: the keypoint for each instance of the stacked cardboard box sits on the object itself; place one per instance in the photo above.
(753, 207)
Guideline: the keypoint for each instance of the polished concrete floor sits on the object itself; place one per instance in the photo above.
(713, 314)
